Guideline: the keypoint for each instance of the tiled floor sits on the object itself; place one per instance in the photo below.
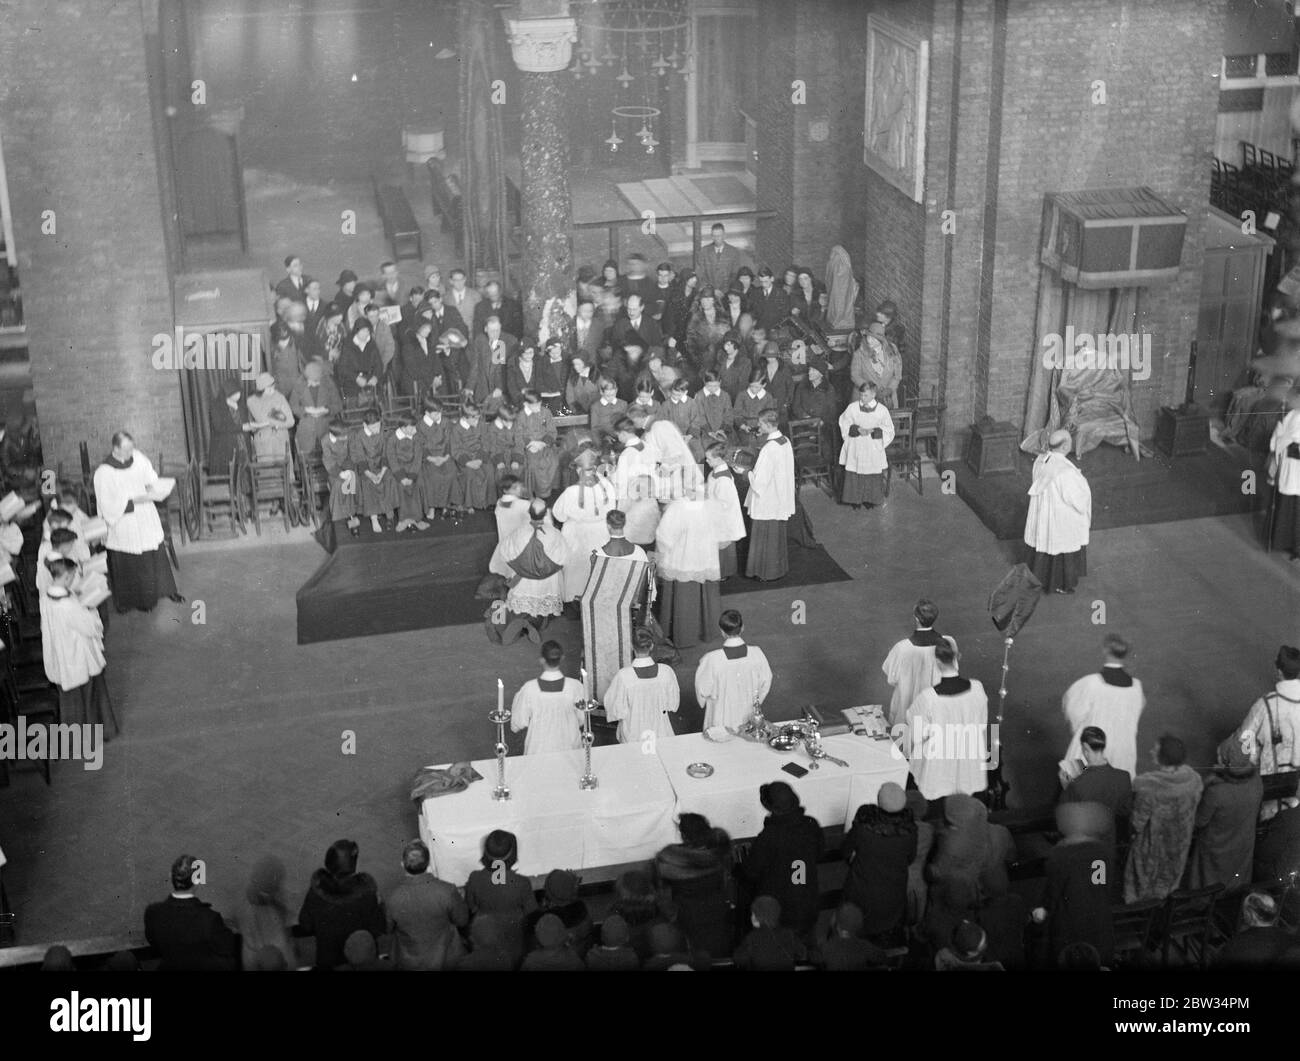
(233, 735)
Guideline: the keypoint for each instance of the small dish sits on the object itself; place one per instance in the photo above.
(700, 770)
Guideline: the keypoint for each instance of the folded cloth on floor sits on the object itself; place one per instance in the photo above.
(439, 781)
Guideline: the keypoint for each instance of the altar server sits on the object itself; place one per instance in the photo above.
(544, 707)
(732, 680)
(642, 696)
(910, 666)
(1284, 479)
(582, 508)
(868, 429)
(376, 483)
(73, 647)
(770, 502)
(1060, 513)
(1112, 700)
(949, 732)
(125, 491)
(533, 559)
(618, 544)
(686, 550)
(511, 510)
(729, 522)
(634, 459)
(438, 481)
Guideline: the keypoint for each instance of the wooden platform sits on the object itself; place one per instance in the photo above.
(702, 193)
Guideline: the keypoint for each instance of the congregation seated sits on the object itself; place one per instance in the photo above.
(340, 901)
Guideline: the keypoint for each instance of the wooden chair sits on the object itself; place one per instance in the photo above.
(812, 463)
(24, 657)
(928, 429)
(901, 453)
(354, 410)
(42, 707)
(1186, 923)
(272, 483)
(225, 494)
(1134, 924)
(313, 487)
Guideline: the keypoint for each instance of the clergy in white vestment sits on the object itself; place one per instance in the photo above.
(126, 487)
(532, 559)
(511, 509)
(1270, 732)
(1284, 479)
(729, 520)
(544, 707)
(616, 543)
(642, 696)
(72, 644)
(868, 429)
(770, 502)
(1060, 513)
(1112, 700)
(947, 732)
(910, 666)
(581, 509)
(634, 461)
(686, 551)
(732, 680)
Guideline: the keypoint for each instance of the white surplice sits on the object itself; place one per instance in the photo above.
(511, 514)
(532, 596)
(728, 519)
(72, 640)
(910, 669)
(1284, 470)
(1060, 507)
(946, 742)
(641, 705)
(771, 483)
(728, 688)
(1114, 709)
(686, 544)
(582, 510)
(865, 455)
(553, 723)
(139, 531)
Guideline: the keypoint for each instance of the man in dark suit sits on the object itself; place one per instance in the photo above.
(444, 316)
(495, 304)
(388, 289)
(411, 311)
(419, 363)
(588, 331)
(314, 303)
(636, 280)
(638, 322)
(718, 263)
(768, 302)
(185, 931)
(483, 362)
(292, 286)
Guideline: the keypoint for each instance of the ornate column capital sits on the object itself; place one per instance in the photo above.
(542, 45)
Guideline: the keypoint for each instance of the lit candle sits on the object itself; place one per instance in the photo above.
(501, 696)
(584, 680)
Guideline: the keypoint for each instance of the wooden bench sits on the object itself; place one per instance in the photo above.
(400, 226)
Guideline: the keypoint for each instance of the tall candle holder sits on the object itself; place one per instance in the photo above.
(588, 780)
(500, 716)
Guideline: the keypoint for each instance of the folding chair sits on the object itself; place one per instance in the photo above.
(1133, 926)
(901, 453)
(1186, 923)
(313, 486)
(272, 483)
(811, 461)
(223, 493)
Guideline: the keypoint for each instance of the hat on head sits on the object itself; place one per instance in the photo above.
(500, 845)
(779, 798)
(561, 886)
(264, 380)
(614, 931)
(1059, 439)
(891, 798)
(551, 931)
(346, 277)
(1237, 763)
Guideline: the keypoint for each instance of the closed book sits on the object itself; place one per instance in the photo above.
(94, 530)
(161, 488)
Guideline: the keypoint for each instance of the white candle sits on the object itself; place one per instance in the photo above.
(584, 680)
(501, 696)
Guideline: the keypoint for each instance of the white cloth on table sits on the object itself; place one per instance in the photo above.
(728, 688)
(553, 723)
(1060, 507)
(641, 705)
(1114, 709)
(626, 818)
(947, 742)
(910, 669)
(139, 531)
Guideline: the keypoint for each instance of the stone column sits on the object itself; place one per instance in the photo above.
(541, 41)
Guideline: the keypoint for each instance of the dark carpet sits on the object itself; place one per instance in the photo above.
(1125, 492)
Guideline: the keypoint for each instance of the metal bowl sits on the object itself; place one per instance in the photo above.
(699, 770)
(784, 741)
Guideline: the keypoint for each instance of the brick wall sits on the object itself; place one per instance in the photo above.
(776, 136)
(76, 127)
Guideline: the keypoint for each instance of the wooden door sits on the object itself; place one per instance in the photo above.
(1228, 325)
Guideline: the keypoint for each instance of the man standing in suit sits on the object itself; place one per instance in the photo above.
(767, 302)
(483, 370)
(315, 305)
(292, 286)
(388, 291)
(636, 280)
(638, 322)
(588, 332)
(718, 263)
(462, 298)
(185, 931)
(495, 304)
(444, 317)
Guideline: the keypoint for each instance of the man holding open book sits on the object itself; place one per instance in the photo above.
(126, 489)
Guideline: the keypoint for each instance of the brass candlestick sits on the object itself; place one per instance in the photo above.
(500, 716)
(588, 780)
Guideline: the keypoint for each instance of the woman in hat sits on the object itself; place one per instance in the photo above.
(580, 390)
(359, 366)
(499, 894)
(273, 419)
(1223, 844)
(331, 334)
(340, 901)
(777, 378)
(228, 424)
(347, 286)
(790, 838)
(697, 874)
(879, 848)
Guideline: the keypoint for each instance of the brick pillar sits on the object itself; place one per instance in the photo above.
(78, 141)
